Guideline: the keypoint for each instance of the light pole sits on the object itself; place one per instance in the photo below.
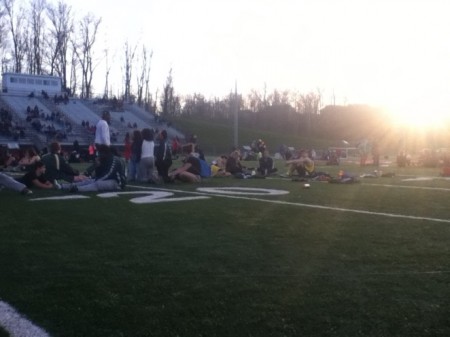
(236, 119)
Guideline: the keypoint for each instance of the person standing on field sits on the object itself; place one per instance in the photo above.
(147, 162)
(163, 156)
(102, 135)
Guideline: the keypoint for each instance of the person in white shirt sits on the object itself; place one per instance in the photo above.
(147, 162)
(102, 135)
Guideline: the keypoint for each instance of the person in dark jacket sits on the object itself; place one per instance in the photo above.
(135, 157)
(108, 174)
(266, 166)
(163, 156)
(57, 167)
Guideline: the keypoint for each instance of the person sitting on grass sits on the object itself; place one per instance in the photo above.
(36, 177)
(233, 164)
(12, 184)
(303, 165)
(218, 167)
(57, 167)
(30, 157)
(189, 172)
(266, 165)
(235, 168)
(108, 174)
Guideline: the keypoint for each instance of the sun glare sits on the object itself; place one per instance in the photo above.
(420, 116)
(418, 119)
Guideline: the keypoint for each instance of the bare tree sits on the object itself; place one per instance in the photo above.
(148, 96)
(17, 29)
(309, 104)
(85, 51)
(3, 40)
(170, 104)
(255, 101)
(129, 59)
(73, 72)
(144, 77)
(278, 98)
(29, 55)
(108, 69)
(58, 39)
(36, 38)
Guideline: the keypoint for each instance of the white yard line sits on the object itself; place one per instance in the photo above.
(17, 325)
(339, 209)
(330, 208)
(412, 187)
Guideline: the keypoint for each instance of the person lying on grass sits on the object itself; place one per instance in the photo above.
(12, 184)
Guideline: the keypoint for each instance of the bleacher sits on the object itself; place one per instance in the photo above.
(17, 106)
(78, 132)
(145, 115)
(75, 112)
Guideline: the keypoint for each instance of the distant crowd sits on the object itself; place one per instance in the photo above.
(147, 158)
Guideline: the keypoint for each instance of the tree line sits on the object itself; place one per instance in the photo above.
(41, 38)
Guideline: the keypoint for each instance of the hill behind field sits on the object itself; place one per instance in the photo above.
(216, 137)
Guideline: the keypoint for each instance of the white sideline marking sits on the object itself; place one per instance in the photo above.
(61, 197)
(339, 209)
(329, 208)
(17, 325)
(242, 191)
(426, 178)
(419, 179)
(413, 187)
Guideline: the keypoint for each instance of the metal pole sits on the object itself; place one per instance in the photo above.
(236, 111)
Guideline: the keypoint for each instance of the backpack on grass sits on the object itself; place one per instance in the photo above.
(205, 169)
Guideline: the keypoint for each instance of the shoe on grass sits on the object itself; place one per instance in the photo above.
(57, 185)
(73, 189)
(26, 191)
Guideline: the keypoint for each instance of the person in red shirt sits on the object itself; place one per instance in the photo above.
(127, 147)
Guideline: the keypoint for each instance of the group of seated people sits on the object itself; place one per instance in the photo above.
(301, 165)
(191, 170)
(108, 171)
(45, 123)
(89, 127)
(223, 166)
(129, 125)
(56, 99)
(113, 103)
(17, 162)
(9, 127)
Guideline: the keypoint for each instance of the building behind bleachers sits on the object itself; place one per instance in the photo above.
(25, 84)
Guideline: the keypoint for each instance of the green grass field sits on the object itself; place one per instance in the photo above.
(364, 259)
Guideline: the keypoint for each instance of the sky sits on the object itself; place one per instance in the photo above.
(393, 54)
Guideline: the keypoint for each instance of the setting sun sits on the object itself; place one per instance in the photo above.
(419, 117)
